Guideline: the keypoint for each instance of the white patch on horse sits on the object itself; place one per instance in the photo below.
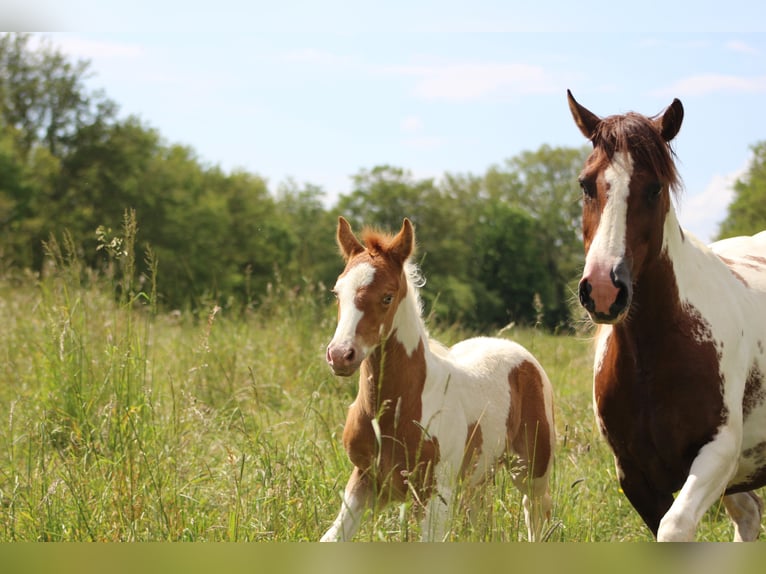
(407, 322)
(609, 243)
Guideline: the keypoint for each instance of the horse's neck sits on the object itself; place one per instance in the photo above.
(675, 278)
(697, 272)
(398, 366)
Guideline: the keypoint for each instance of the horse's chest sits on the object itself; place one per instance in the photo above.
(657, 406)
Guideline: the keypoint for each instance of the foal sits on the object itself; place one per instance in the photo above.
(427, 417)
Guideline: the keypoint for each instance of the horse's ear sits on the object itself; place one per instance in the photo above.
(669, 123)
(586, 120)
(403, 244)
(347, 241)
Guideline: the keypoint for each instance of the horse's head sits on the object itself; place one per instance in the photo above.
(368, 292)
(626, 184)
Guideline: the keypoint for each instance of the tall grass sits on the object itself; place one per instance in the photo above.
(120, 423)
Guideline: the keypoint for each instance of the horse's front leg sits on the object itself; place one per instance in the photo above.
(710, 472)
(650, 503)
(356, 499)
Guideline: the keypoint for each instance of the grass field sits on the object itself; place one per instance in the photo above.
(118, 423)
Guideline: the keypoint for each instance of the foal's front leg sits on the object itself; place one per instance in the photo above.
(437, 515)
(356, 499)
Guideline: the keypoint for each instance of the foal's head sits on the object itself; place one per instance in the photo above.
(626, 184)
(368, 291)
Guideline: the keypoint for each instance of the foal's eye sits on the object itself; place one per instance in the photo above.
(588, 187)
(387, 300)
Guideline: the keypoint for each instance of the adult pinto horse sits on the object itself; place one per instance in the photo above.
(679, 390)
(427, 417)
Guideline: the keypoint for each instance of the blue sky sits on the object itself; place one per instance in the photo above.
(316, 91)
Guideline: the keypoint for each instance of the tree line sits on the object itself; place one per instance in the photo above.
(498, 247)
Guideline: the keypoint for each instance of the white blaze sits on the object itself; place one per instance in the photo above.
(608, 245)
(345, 289)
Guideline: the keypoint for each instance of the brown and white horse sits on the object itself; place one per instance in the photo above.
(427, 417)
(679, 389)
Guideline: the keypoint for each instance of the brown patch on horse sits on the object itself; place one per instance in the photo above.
(528, 432)
(473, 442)
(406, 455)
(755, 393)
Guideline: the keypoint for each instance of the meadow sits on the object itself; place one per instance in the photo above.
(121, 422)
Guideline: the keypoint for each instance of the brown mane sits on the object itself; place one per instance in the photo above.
(638, 135)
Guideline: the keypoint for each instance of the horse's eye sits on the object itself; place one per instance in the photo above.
(588, 187)
(653, 190)
(387, 300)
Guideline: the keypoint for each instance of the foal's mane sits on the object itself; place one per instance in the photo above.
(638, 135)
(377, 242)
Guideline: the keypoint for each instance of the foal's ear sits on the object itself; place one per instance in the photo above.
(403, 244)
(347, 241)
(586, 120)
(669, 123)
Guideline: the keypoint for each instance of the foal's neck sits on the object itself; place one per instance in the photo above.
(397, 367)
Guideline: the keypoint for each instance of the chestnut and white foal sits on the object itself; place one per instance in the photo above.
(427, 417)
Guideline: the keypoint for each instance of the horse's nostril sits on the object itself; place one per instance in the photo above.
(585, 291)
(349, 355)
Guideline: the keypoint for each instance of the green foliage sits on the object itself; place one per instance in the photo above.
(747, 211)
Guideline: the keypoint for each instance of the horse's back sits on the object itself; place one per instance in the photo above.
(482, 353)
(746, 256)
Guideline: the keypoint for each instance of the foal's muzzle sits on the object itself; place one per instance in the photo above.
(344, 358)
(606, 294)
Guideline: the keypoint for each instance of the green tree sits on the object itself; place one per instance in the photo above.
(43, 95)
(544, 184)
(747, 211)
(510, 251)
(312, 227)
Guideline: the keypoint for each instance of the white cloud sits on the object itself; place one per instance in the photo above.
(424, 142)
(710, 83)
(411, 125)
(473, 81)
(319, 57)
(92, 49)
(703, 213)
(737, 46)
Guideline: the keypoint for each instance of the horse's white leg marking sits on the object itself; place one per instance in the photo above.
(356, 498)
(709, 474)
(745, 510)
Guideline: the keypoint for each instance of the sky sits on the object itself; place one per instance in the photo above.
(314, 92)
